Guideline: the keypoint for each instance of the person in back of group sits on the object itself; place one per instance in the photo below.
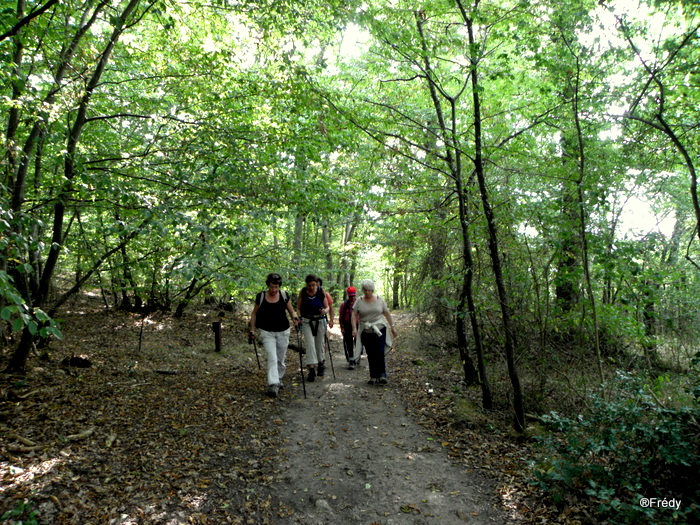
(313, 306)
(370, 317)
(345, 322)
(270, 317)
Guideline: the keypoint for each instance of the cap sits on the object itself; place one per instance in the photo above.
(351, 290)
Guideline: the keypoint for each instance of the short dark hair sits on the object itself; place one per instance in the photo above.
(311, 278)
(273, 278)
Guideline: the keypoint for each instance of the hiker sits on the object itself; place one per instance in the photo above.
(270, 317)
(313, 306)
(370, 316)
(345, 322)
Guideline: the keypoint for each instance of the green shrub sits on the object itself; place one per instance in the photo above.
(22, 514)
(624, 450)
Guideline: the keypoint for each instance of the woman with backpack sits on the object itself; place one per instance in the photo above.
(313, 307)
(270, 317)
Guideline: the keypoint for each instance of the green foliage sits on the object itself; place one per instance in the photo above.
(20, 314)
(623, 450)
(22, 514)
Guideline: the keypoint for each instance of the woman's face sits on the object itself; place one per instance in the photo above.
(312, 287)
(273, 289)
(368, 293)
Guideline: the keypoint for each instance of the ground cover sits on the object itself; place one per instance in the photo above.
(163, 429)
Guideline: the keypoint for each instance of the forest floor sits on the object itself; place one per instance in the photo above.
(161, 429)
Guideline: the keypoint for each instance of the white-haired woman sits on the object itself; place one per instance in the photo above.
(370, 318)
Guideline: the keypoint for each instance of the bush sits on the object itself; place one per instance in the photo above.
(625, 450)
(22, 514)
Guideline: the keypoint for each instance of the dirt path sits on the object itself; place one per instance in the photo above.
(355, 456)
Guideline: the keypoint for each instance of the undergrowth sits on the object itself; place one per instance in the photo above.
(635, 457)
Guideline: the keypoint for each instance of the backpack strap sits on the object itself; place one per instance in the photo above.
(283, 295)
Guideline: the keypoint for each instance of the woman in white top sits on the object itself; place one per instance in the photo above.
(370, 317)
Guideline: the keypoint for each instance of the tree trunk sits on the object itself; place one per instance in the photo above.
(395, 290)
(453, 159)
(567, 284)
(347, 259)
(19, 358)
(435, 267)
(509, 333)
(326, 234)
(298, 242)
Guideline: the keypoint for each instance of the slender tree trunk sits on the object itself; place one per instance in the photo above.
(452, 158)
(396, 284)
(19, 358)
(326, 234)
(298, 242)
(581, 156)
(567, 283)
(345, 274)
(435, 267)
(510, 342)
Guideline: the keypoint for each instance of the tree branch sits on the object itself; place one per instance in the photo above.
(31, 16)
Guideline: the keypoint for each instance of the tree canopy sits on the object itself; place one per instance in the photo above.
(522, 172)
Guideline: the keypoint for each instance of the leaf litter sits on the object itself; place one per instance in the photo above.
(161, 429)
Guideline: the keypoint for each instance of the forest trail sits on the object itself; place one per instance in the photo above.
(204, 445)
(355, 456)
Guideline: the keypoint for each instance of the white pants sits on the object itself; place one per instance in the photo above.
(275, 345)
(314, 344)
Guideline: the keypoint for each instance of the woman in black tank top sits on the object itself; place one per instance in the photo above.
(270, 318)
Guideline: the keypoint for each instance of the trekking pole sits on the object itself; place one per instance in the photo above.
(328, 346)
(301, 360)
(251, 339)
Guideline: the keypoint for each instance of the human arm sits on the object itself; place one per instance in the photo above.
(331, 313)
(292, 314)
(254, 316)
(390, 320)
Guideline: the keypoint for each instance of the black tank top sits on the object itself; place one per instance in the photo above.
(271, 317)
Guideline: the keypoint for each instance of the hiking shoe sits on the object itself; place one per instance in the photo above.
(351, 365)
(382, 381)
(281, 385)
(372, 381)
(272, 390)
(321, 369)
(312, 375)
